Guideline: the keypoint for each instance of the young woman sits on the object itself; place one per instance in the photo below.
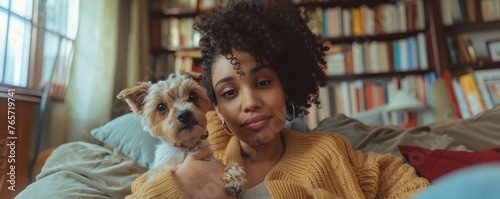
(262, 65)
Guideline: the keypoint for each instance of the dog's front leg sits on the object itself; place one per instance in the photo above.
(234, 178)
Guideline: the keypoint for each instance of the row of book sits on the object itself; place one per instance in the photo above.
(171, 6)
(166, 63)
(460, 49)
(174, 33)
(474, 92)
(358, 96)
(460, 11)
(378, 56)
(364, 20)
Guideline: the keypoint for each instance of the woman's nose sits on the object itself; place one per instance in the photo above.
(250, 101)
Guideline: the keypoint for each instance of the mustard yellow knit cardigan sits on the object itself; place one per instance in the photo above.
(314, 165)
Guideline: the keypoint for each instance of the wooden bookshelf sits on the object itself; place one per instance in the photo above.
(401, 46)
(450, 39)
(172, 40)
(457, 52)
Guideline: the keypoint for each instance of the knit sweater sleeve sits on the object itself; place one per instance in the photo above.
(383, 175)
(395, 178)
(162, 185)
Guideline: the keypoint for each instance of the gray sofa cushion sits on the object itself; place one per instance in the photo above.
(477, 133)
(386, 139)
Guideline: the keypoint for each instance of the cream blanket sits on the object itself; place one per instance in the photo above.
(83, 170)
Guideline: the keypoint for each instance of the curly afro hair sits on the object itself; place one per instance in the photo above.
(277, 34)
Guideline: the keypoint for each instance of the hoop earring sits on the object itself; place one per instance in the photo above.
(293, 112)
(224, 126)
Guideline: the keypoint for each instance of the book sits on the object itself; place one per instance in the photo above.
(471, 93)
(346, 22)
(357, 58)
(357, 26)
(325, 102)
(384, 62)
(370, 96)
(452, 49)
(338, 99)
(446, 10)
(456, 12)
(374, 57)
(404, 61)
(367, 58)
(462, 49)
(420, 15)
(470, 50)
(346, 98)
(422, 51)
(335, 64)
(462, 104)
(470, 7)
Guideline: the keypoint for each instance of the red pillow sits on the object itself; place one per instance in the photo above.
(432, 164)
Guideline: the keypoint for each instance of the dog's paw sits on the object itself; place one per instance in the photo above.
(234, 178)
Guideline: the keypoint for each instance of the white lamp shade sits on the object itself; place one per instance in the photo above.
(402, 100)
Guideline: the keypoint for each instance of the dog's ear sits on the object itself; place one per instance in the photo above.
(198, 77)
(135, 96)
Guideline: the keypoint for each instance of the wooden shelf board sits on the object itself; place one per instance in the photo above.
(174, 13)
(346, 77)
(344, 4)
(381, 37)
(156, 50)
(476, 66)
(472, 27)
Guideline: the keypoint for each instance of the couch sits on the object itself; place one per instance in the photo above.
(121, 151)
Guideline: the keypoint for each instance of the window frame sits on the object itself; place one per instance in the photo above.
(34, 87)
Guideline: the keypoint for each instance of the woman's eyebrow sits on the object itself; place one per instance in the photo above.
(224, 79)
(253, 70)
(258, 68)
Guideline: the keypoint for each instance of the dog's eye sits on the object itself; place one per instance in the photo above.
(161, 108)
(193, 97)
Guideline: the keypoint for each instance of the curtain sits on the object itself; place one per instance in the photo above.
(111, 53)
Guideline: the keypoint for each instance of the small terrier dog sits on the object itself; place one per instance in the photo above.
(173, 110)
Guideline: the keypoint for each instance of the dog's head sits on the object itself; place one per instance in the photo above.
(173, 109)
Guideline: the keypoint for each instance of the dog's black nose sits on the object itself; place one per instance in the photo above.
(184, 117)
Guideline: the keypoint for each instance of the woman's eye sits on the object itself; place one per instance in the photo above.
(193, 97)
(263, 83)
(229, 93)
(161, 108)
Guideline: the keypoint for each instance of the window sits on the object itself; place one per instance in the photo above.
(37, 42)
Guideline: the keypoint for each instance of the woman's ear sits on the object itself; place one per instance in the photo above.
(217, 110)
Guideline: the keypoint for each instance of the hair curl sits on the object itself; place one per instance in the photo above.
(277, 34)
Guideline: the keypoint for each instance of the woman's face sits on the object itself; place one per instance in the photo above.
(253, 107)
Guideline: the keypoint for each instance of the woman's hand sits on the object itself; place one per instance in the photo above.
(201, 179)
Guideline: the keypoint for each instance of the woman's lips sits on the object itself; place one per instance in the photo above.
(256, 122)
